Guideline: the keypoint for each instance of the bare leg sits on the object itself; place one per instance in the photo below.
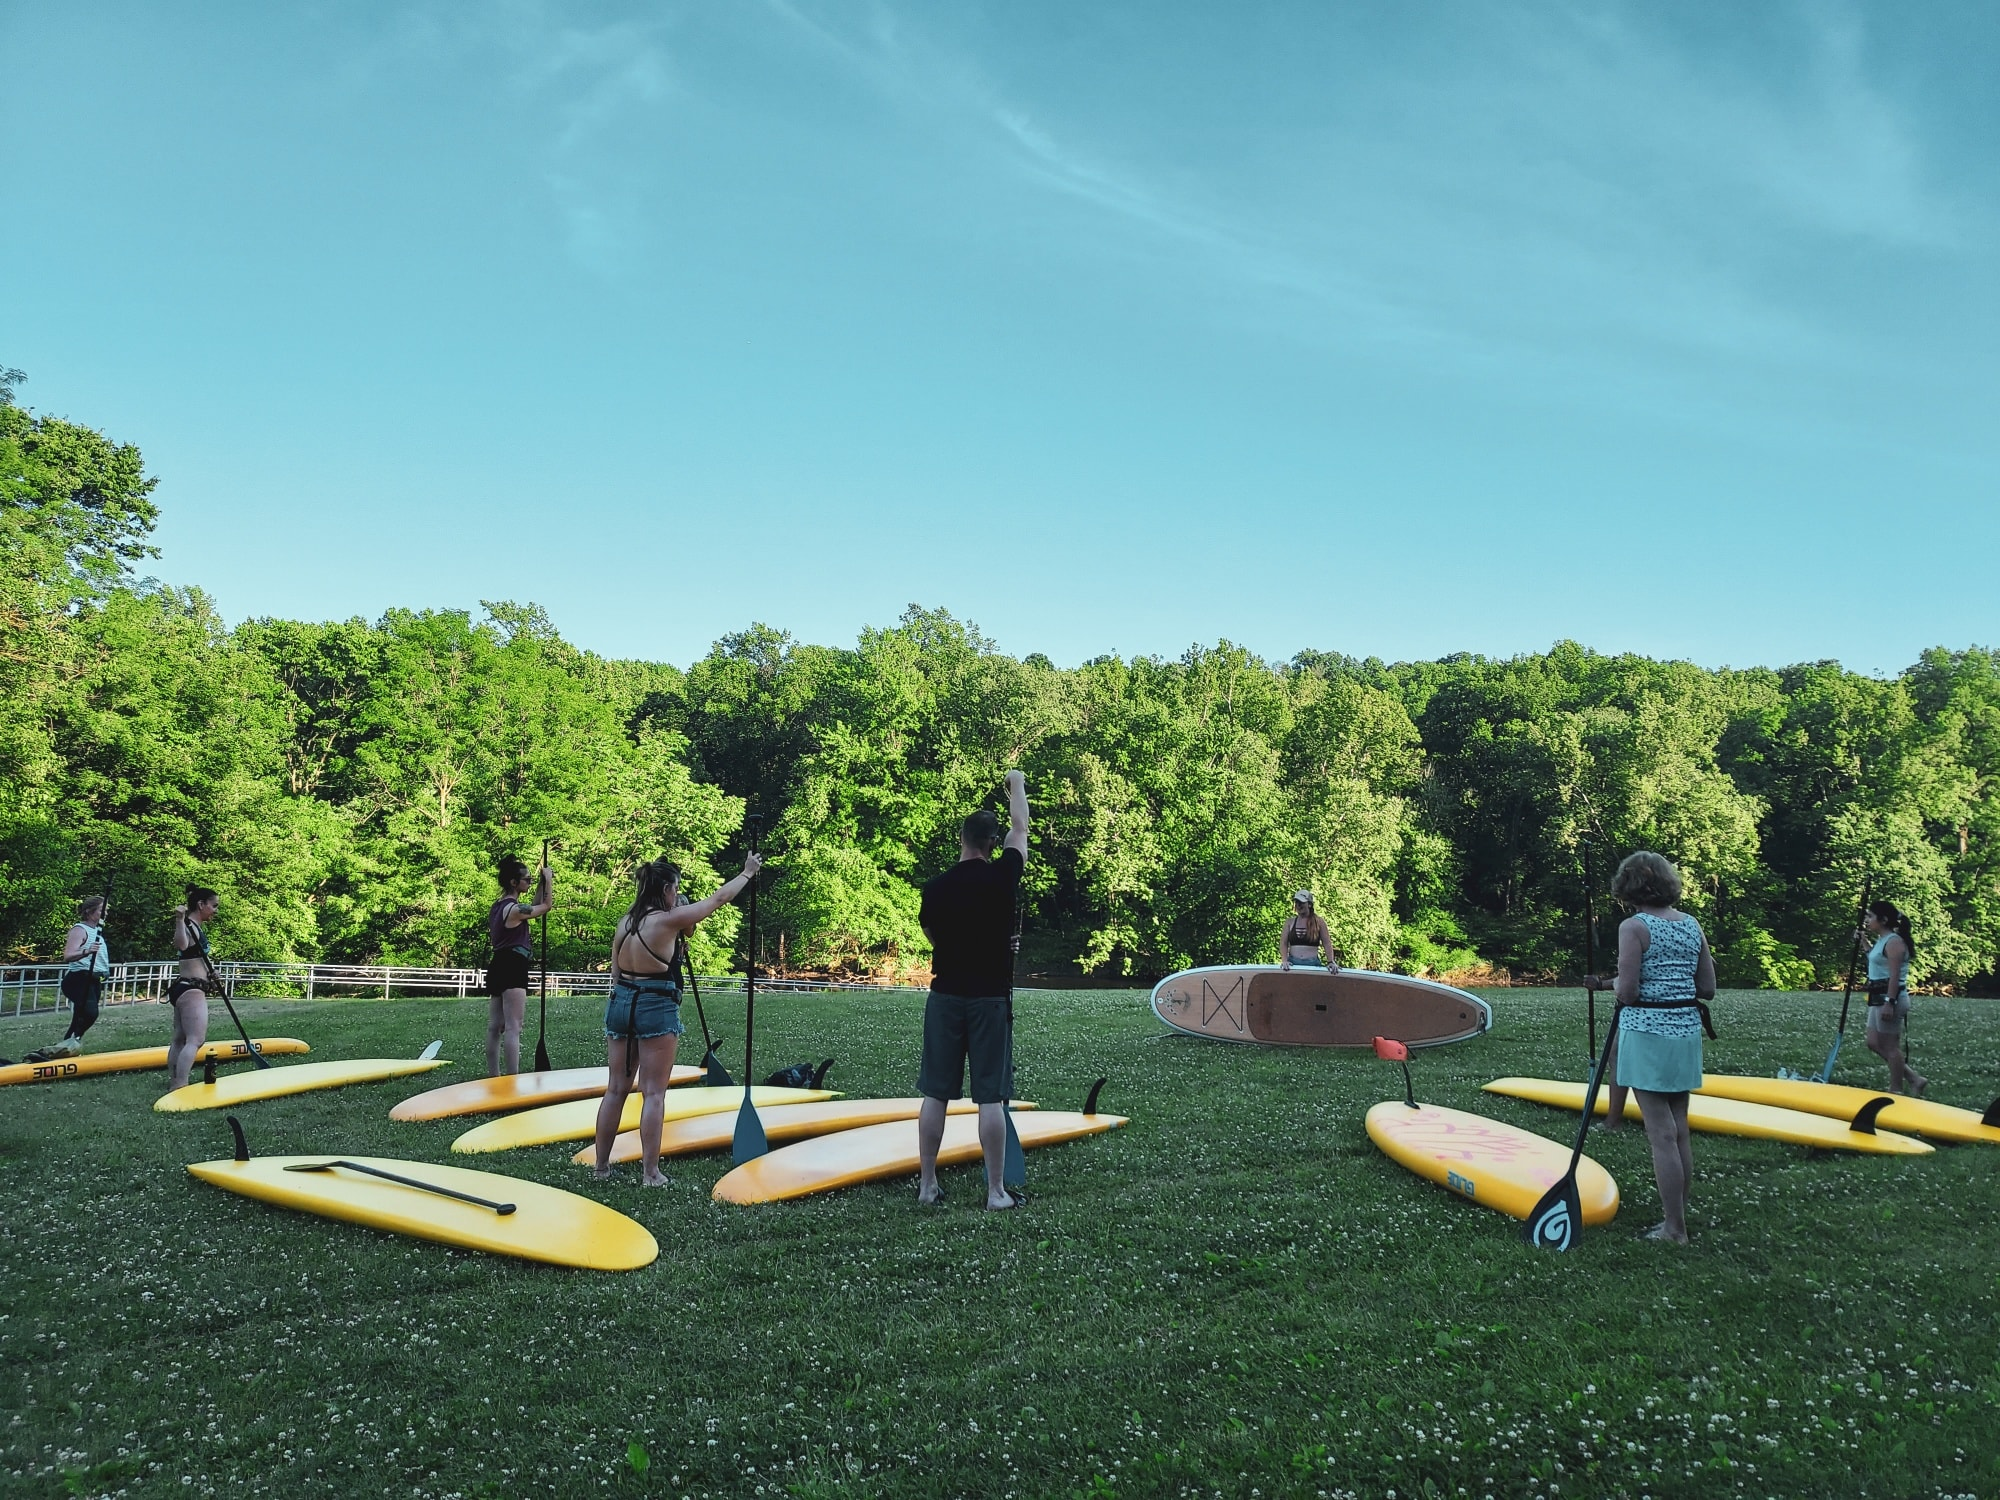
(503, 1033)
(1614, 1109)
(190, 1031)
(656, 1066)
(930, 1135)
(611, 1110)
(993, 1146)
(1666, 1132)
(1890, 1050)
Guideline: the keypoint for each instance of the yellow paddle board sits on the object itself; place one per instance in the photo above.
(493, 1096)
(299, 1078)
(787, 1122)
(874, 1152)
(1498, 1165)
(1727, 1117)
(577, 1120)
(1839, 1101)
(138, 1059)
(545, 1224)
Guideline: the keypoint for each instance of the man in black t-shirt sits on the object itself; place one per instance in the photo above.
(968, 914)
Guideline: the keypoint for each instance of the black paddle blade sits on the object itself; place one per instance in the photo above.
(749, 1143)
(542, 1063)
(1553, 1223)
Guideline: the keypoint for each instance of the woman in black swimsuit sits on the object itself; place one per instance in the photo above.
(645, 1009)
(1305, 936)
(188, 994)
(507, 924)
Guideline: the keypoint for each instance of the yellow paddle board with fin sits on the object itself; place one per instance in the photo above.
(299, 1078)
(1728, 1117)
(1499, 1165)
(875, 1152)
(577, 1120)
(139, 1059)
(511, 1091)
(1839, 1101)
(540, 1223)
(787, 1122)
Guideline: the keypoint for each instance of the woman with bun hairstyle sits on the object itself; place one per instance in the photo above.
(513, 952)
(188, 995)
(1665, 975)
(1889, 992)
(642, 1022)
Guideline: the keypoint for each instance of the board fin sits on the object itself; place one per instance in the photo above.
(236, 1129)
(819, 1073)
(1090, 1104)
(714, 1075)
(431, 1052)
(1992, 1115)
(1864, 1117)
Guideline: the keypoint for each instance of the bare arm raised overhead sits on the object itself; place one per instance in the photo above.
(1017, 813)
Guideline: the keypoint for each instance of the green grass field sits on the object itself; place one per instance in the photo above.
(1236, 1295)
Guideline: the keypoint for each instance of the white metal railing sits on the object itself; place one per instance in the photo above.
(28, 988)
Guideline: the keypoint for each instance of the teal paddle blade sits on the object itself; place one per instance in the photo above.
(749, 1143)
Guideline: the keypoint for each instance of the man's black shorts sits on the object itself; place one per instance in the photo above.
(957, 1030)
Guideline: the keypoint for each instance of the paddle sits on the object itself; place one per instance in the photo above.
(1590, 950)
(503, 1209)
(542, 1063)
(1825, 1074)
(714, 1075)
(1014, 1163)
(1556, 1221)
(749, 1142)
(256, 1053)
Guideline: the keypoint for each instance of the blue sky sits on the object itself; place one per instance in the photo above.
(1383, 328)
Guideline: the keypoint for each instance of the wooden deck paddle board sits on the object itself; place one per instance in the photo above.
(139, 1059)
(1312, 1008)
(1728, 1117)
(511, 1091)
(547, 1224)
(1501, 1166)
(299, 1078)
(874, 1152)
(577, 1120)
(1839, 1101)
(785, 1122)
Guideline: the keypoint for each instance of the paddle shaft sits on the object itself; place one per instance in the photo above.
(1014, 1161)
(215, 978)
(1847, 992)
(1590, 1094)
(754, 823)
(542, 1063)
(503, 1209)
(1590, 950)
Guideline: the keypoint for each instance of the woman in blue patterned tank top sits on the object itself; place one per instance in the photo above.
(1664, 966)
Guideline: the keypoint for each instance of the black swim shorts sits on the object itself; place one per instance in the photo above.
(957, 1031)
(508, 971)
(182, 987)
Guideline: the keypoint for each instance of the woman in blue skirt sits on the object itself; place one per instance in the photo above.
(1665, 973)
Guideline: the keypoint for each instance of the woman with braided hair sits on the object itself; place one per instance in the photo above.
(1889, 992)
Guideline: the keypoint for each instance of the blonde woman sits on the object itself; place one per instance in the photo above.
(1666, 973)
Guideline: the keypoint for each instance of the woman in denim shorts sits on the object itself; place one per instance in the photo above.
(642, 1023)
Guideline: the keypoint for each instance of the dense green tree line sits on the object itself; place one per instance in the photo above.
(348, 786)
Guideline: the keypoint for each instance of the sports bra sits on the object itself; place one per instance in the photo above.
(670, 966)
(1306, 935)
(199, 947)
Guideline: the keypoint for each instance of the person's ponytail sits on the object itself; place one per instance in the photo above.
(1897, 921)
